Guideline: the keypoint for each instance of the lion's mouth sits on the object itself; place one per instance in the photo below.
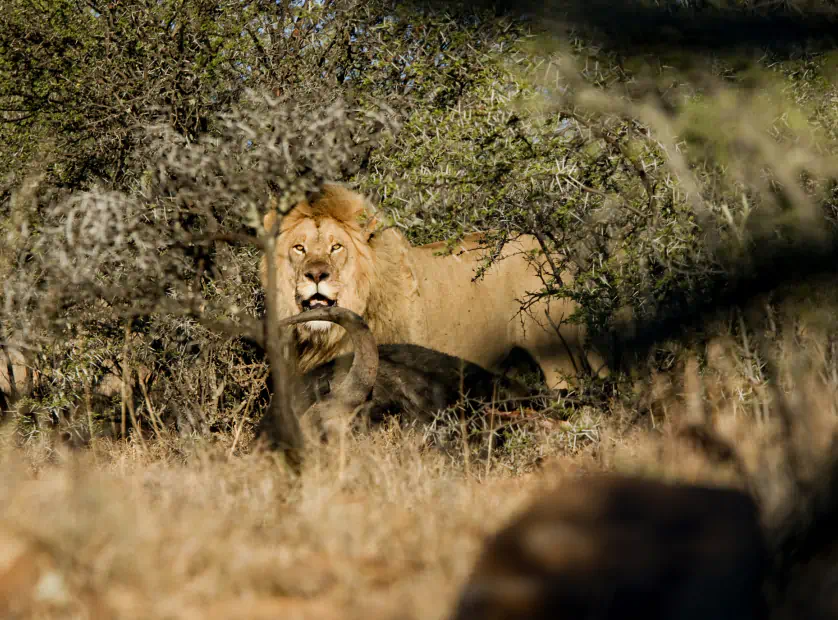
(317, 301)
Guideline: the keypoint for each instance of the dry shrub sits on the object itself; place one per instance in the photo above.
(144, 535)
(378, 526)
(147, 287)
(781, 447)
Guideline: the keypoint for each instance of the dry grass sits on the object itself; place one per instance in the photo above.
(168, 534)
(383, 528)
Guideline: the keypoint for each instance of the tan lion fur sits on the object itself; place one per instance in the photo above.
(411, 294)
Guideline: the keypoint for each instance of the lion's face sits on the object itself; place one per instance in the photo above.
(322, 262)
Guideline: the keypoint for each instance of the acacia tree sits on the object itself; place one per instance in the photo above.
(79, 80)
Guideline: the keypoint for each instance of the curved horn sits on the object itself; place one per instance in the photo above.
(360, 379)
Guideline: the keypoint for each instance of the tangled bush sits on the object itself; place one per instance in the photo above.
(643, 180)
(174, 261)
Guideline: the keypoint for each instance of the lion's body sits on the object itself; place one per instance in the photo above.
(414, 295)
(482, 320)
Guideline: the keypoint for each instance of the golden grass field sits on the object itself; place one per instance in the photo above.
(381, 527)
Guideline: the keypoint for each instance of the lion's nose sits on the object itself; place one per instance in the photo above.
(317, 273)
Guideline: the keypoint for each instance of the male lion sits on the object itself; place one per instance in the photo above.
(328, 253)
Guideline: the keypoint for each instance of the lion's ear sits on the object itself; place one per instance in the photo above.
(369, 226)
(317, 194)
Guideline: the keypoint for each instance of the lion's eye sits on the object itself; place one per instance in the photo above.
(336, 247)
(300, 249)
